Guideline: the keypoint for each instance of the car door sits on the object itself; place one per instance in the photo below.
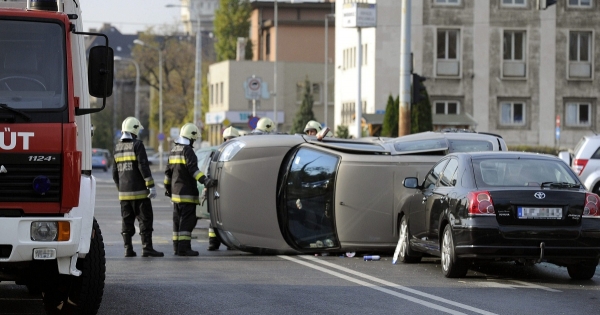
(439, 202)
(422, 200)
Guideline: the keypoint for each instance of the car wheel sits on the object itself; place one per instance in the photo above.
(452, 267)
(583, 271)
(406, 255)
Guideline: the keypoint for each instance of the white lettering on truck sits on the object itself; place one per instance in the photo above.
(13, 139)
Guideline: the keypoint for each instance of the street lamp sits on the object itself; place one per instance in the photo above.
(137, 84)
(198, 69)
(161, 136)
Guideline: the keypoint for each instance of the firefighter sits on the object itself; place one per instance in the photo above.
(263, 126)
(230, 133)
(131, 173)
(312, 128)
(180, 183)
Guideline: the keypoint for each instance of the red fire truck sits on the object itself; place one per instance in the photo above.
(49, 239)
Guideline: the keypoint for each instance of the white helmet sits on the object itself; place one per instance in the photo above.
(265, 124)
(313, 125)
(189, 131)
(131, 125)
(230, 133)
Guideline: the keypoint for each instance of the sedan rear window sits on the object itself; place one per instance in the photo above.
(521, 172)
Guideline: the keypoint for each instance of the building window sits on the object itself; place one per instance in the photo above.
(512, 113)
(578, 114)
(580, 3)
(580, 48)
(315, 91)
(211, 94)
(514, 3)
(514, 64)
(221, 93)
(446, 107)
(447, 2)
(448, 44)
(268, 44)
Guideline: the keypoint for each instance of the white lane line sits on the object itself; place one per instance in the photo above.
(399, 287)
(528, 285)
(374, 287)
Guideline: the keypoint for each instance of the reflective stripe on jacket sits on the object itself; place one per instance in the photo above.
(131, 171)
(182, 173)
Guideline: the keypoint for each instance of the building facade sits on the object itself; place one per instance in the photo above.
(505, 65)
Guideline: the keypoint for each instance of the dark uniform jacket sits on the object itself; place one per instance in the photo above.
(182, 173)
(131, 171)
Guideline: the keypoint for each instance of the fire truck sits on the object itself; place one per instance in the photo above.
(49, 239)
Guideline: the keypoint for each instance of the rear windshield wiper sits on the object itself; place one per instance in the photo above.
(16, 111)
(561, 185)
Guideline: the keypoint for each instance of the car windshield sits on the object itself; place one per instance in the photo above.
(307, 216)
(522, 172)
(32, 65)
(98, 153)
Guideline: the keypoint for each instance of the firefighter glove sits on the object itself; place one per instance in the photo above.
(152, 193)
(210, 183)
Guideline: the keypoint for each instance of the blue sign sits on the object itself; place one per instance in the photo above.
(252, 122)
(557, 133)
(161, 136)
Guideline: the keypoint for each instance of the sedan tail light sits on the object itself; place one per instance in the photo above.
(591, 206)
(480, 203)
(579, 165)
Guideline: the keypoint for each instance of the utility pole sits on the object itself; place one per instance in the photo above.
(405, 91)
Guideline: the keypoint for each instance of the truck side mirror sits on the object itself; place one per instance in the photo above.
(101, 71)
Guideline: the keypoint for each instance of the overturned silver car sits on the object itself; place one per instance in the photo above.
(290, 194)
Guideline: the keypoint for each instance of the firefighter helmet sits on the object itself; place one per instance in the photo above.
(265, 125)
(189, 131)
(313, 125)
(230, 133)
(132, 125)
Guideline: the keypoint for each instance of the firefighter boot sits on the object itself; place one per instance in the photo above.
(175, 248)
(128, 246)
(147, 250)
(213, 241)
(185, 249)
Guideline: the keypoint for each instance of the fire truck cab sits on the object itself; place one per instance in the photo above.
(49, 239)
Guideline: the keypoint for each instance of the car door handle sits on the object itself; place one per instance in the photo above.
(217, 196)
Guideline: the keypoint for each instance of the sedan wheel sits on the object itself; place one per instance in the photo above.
(452, 267)
(406, 254)
(584, 271)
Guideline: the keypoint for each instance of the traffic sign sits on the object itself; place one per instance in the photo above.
(252, 121)
(161, 136)
(252, 88)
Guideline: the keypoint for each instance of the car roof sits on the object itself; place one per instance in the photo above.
(505, 154)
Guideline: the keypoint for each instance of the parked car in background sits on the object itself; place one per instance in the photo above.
(154, 159)
(585, 161)
(204, 155)
(513, 206)
(101, 158)
(297, 194)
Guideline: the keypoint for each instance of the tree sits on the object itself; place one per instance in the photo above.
(232, 20)
(342, 132)
(305, 112)
(421, 118)
(390, 119)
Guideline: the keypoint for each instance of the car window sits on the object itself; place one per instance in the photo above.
(449, 174)
(434, 175)
(421, 145)
(309, 190)
(596, 154)
(521, 172)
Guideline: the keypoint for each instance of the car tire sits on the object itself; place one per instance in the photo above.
(452, 266)
(406, 254)
(582, 271)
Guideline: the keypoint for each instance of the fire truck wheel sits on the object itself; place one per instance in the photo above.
(84, 293)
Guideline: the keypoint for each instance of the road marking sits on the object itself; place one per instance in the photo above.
(399, 287)
(381, 289)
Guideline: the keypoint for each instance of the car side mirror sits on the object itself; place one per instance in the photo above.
(411, 182)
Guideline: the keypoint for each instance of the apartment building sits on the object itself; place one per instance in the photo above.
(502, 66)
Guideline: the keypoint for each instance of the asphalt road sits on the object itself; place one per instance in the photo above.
(233, 282)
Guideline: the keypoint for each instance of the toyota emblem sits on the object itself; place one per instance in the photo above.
(539, 195)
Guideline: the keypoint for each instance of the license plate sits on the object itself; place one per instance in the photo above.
(539, 213)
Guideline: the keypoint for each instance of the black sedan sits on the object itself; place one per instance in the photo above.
(512, 206)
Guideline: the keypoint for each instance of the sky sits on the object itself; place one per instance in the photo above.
(129, 16)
